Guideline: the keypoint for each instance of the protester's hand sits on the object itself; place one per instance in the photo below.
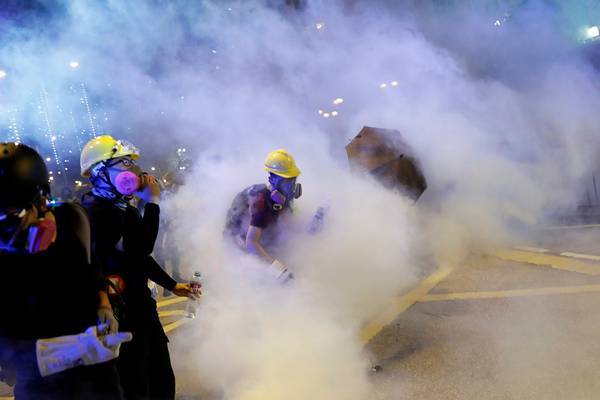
(277, 267)
(149, 189)
(184, 290)
(65, 352)
(8, 375)
(106, 317)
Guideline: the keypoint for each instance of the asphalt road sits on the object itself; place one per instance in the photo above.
(523, 343)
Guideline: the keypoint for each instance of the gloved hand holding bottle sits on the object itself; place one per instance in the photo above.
(281, 272)
(88, 348)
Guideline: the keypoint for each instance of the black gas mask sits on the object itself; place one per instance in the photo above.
(24, 223)
(283, 190)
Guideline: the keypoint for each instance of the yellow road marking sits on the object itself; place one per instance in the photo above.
(512, 293)
(548, 260)
(170, 302)
(173, 325)
(373, 327)
(170, 313)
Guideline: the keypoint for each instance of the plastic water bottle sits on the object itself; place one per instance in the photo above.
(192, 305)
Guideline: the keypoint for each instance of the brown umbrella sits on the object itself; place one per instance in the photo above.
(384, 154)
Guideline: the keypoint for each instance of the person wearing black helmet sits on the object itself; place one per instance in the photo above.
(57, 330)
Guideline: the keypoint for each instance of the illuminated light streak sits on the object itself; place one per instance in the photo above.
(87, 107)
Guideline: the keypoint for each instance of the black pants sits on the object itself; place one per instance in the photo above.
(144, 363)
(94, 382)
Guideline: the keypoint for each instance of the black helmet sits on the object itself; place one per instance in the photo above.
(23, 176)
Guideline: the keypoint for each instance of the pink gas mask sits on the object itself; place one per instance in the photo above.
(127, 183)
(19, 236)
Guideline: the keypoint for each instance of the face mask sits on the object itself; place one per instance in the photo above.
(15, 237)
(283, 189)
(127, 183)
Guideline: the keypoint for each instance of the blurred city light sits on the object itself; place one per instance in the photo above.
(592, 32)
(2, 73)
(74, 64)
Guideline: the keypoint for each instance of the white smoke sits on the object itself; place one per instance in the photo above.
(501, 117)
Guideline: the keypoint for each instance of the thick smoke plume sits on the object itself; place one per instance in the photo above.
(496, 101)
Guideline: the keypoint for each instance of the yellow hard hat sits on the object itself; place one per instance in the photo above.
(280, 162)
(104, 148)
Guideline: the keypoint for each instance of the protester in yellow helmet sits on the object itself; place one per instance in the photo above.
(124, 240)
(252, 220)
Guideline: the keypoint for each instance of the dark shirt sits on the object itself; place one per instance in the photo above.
(262, 213)
(133, 263)
(48, 294)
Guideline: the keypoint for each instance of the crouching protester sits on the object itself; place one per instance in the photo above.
(57, 330)
(123, 241)
(255, 216)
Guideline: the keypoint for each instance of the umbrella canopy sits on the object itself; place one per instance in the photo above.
(384, 154)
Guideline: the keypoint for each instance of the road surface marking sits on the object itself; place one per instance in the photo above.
(170, 313)
(512, 293)
(592, 257)
(174, 325)
(169, 302)
(548, 260)
(551, 228)
(532, 249)
(579, 255)
(373, 327)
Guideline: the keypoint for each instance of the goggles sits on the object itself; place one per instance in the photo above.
(126, 161)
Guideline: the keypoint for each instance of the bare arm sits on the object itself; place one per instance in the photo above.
(253, 244)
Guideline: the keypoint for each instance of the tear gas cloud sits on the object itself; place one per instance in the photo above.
(501, 117)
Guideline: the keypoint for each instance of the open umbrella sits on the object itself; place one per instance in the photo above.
(385, 155)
